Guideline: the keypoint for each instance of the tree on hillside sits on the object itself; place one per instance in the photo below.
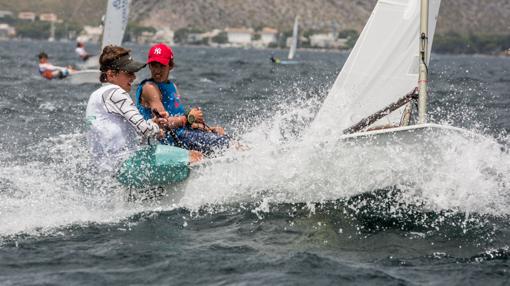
(471, 43)
(350, 35)
(221, 38)
(133, 31)
(181, 35)
(39, 30)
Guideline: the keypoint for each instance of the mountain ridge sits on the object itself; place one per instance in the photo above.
(458, 16)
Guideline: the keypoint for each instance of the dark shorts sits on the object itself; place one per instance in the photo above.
(63, 73)
(205, 142)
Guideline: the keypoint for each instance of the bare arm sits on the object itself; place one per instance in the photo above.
(151, 98)
(195, 111)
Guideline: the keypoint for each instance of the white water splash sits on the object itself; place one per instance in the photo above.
(447, 171)
(466, 174)
(39, 196)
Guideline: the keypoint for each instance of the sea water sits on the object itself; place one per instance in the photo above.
(286, 211)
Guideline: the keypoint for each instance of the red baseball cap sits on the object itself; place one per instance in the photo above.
(160, 53)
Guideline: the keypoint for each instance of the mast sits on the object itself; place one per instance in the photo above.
(293, 44)
(423, 71)
(52, 31)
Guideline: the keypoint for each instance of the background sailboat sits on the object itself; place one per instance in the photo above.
(293, 45)
(114, 27)
(52, 32)
(115, 23)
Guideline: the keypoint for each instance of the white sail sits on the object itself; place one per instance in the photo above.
(114, 26)
(293, 45)
(382, 67)
(115, 22)
(52, 32)
(84, 76)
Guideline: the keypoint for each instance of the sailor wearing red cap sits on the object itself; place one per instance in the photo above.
(159, 94)
(115, 125)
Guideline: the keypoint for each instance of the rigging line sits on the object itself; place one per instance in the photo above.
(226, 135)
(424, 38)
(367, 121)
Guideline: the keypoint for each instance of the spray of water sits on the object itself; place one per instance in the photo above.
(55, 188)
(461, 171)
(441, 171)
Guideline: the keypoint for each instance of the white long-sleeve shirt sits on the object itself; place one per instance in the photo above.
(116, 126)
(49, 67)
(80, 51)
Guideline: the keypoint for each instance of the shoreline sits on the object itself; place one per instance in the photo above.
(502, 54)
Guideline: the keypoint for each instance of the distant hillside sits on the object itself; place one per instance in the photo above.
(83, 12)
(461, 16)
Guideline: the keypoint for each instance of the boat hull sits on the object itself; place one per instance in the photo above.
(84, 76)
(424, 143)
(289, 62)
(410, 134)
(155, 165)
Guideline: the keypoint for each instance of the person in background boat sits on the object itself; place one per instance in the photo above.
(116, 125)
(159, 94)
(275, 60)
(50, 71)
(81, 52)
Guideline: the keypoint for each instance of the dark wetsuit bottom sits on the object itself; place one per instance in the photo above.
(203, 141)
(63, 73)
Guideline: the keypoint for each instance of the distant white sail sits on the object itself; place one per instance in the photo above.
(382, 67)
(294, 42)
(114, 26)
(52, 32)
(115, 23)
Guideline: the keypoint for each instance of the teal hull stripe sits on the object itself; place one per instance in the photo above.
(156, 165)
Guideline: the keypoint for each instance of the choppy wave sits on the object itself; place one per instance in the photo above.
(463, 175)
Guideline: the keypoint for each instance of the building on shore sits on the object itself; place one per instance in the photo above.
(6, 14)
(268, 36)
(90, 34)
(322, 40)
(239, 36)
(48, 17)
(26, 15)
(328, 41)
(164, 35)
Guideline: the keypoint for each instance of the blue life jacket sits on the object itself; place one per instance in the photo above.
(187, 138)
(171, 102)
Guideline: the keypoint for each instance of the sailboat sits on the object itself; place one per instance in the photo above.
(115, 23)
(293, 45)
(386, 72)
(52, 32)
